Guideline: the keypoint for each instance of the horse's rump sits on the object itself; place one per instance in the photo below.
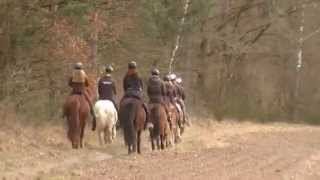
(127, 117)
(71, 111)
(106, 113)
(173, 114)
(159, 119)
(132, 118)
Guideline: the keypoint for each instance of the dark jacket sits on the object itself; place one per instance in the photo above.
(156, 89)
(132, 84)
(106, 88)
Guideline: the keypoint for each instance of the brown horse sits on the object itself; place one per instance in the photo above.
(76, 109)
(132, 119)
(160, 131)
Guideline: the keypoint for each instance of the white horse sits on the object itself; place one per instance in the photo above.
(106, 117)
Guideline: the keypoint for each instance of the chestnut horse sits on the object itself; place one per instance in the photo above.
(174, 123)
(132, 119)
(161, 130)
(76, 109)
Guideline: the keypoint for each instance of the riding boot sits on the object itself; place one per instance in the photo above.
(147, 115)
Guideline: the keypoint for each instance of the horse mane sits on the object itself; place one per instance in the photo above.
(91, 89)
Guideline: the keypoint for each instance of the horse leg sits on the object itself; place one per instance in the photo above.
(106, 135)
(162, 141)
(158, 142)
(114, 132)
(168, 140)
(82, 134)
(100, 135)
(110, 134)
(152, 144)
(151, 139)
(74, 145)
(139, 141)
(129, 149)
(134, 147)
(177, 135)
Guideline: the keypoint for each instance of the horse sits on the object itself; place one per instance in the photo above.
(106, 118)
(174, 127)
(132, 120)
(76, 110)
(160, 131)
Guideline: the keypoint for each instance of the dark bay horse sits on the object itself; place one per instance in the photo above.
(132, 119)
(76, 109)
(160, 131)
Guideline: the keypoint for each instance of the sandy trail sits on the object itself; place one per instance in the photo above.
(226, 150)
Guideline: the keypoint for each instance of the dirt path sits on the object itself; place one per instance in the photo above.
(218, 151)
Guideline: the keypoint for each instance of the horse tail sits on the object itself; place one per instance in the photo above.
(73, 119)
(155, 118)
(127, 121)
(116, 118)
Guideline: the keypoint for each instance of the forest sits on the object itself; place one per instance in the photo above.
(242, 59)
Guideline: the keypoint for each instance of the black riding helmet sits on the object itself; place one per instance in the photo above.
(109, 69)
(155, 72)
(132, 65)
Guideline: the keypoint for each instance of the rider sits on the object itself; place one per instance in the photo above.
(181, 98)
(156, 89)
(170, 92)
(133, 86)
(78, 82)
(106, 87)
(178, 95)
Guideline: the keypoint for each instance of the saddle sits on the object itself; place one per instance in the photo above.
(133, 93)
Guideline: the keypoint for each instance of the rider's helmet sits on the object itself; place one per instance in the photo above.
(109, 69)
(166, 77)
(132, 65)
(155, 72)
(173, 77)
(78, 65)
(179, 80)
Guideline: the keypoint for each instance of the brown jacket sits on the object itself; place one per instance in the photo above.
(78, 81)
(78, 87)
